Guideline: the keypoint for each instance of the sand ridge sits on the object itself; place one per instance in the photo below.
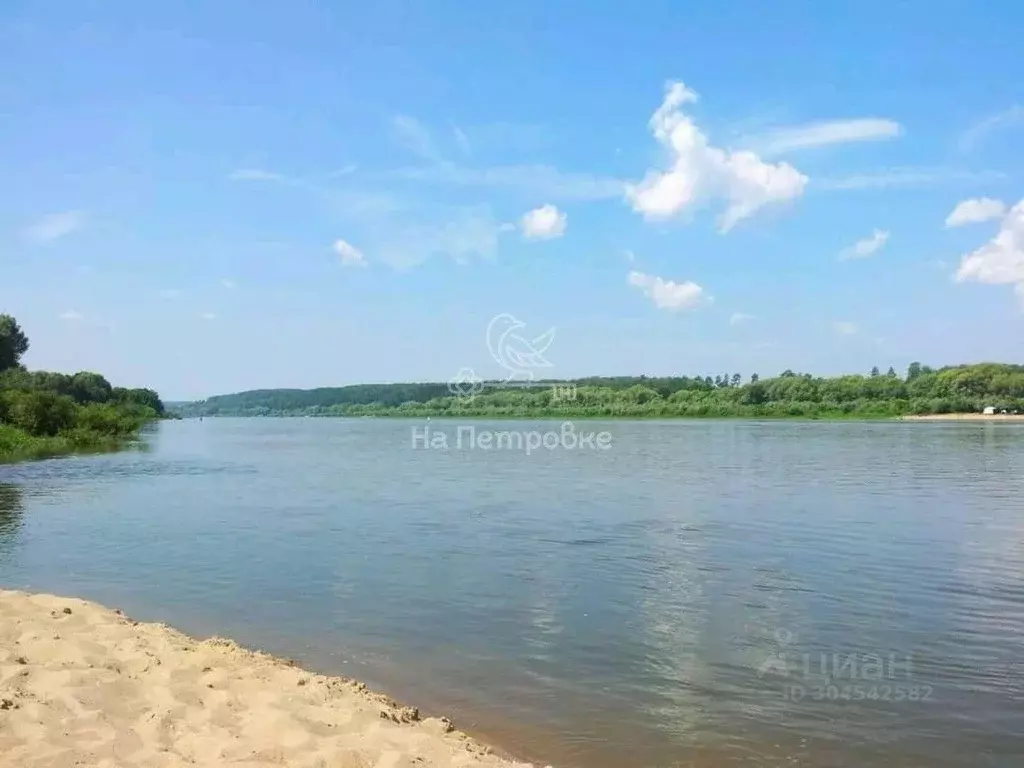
(84, 685)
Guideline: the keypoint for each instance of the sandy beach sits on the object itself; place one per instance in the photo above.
(84, 685)
(1014, 417)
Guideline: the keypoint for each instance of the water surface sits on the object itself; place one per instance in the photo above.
(671, 601)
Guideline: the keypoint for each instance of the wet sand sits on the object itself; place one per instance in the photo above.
(81, 684)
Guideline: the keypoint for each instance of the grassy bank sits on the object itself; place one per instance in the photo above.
(18, 445)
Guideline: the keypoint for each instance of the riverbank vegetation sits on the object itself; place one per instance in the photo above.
(49, 414)
(921, 390)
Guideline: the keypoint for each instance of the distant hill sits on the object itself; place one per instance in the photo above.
(954, 389)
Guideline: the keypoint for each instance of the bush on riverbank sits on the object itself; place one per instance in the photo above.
(48, 414)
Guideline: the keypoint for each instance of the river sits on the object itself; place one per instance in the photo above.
(688, 593)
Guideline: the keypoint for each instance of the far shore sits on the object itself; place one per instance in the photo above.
(81, 684)
(1014, 417)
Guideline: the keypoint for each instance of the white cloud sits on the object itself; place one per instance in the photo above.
(544, 223)
(630, 256)
(975, 211)
(667, 294)
(228, 283)
(906, 178)
(845, 328)
(824, 133)
(866, 247)
(350, 255)
(53, 227)
(207, 316)
(70, 315)
(1001, 260)
(700, 171)
(739, 317)
(170, 293)
(981, 130)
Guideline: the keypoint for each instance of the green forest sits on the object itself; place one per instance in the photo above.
(49, 414)
(878, 394)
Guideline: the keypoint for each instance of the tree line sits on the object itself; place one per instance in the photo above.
(44, 413)
(921, 390)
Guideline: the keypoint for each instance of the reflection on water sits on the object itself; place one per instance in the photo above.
(598, 609)
(11, 511)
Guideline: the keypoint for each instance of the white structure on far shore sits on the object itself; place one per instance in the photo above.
(990, 410)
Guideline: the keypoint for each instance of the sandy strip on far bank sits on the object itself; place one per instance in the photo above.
(966, 417)
(81, 684)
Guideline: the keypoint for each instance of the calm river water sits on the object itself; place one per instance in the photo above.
(712, 593)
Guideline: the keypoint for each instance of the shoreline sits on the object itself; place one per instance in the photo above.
(1008, 417)
(84, 684)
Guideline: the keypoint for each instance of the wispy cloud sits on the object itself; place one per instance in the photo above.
(348, 201)
(79, 320)
(401, 233)
(462, 140)
(535, 180)
(868, 246)
(415, 137)
(169, 293)
(228, 283)
(668, 294)
(981, 130)
(699, 171)
(845, 328)
(906, 177)
(207, 315)
(738, 318)
(53, 227)
(255, 174)
(824, 133)
(462, 234)
(544, 223)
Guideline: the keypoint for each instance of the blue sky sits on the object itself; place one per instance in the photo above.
(207, 197)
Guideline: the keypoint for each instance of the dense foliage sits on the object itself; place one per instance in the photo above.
(958, 389)
(44, 414)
